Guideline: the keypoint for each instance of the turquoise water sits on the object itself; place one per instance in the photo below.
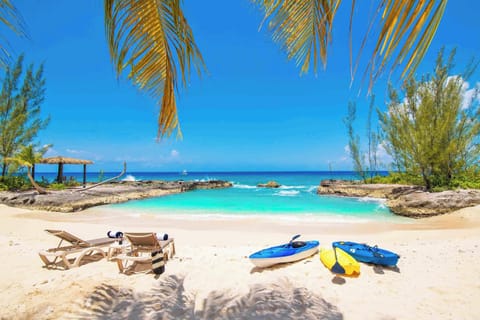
(296, 197)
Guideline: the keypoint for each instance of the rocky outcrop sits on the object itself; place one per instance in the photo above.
(421, 204)
(404, 200)
(269, 184)
(72, 200)
(358, 189)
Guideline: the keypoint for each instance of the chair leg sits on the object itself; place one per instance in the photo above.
(89, 251)
(173, 250)
(67, 263)
(120, 265)
(46, 260)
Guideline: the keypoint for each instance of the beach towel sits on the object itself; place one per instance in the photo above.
(158, 263)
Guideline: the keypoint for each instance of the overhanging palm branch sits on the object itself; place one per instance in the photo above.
(153, 41)
(11, 18)
(406, 29)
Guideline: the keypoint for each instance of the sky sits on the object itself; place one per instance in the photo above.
(252, 110)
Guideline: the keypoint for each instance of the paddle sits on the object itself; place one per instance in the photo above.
(293, 239)
(337, 268)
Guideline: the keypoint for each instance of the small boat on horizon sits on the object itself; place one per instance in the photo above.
(184, 172)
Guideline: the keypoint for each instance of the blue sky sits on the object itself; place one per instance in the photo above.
(251, 111)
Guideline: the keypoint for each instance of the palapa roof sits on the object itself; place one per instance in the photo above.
(64, 160)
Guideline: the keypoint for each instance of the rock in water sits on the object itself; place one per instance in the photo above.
(269, 184)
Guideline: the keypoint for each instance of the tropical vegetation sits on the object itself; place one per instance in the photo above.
(432, 138)
(27, 157)
(366, 164)
(431, 130)
(20, 106)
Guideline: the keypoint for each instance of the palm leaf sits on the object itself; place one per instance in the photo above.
(406, 29)
(11, 18)
(153, 41)
(302, 27)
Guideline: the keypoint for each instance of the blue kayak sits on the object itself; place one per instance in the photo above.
(365, 253)
(289, 252)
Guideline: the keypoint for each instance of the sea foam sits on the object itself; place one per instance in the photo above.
(288, 193)
(244, 186)
(292, 187)
(129, 177)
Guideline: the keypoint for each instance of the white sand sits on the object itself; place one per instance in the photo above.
(211, 277)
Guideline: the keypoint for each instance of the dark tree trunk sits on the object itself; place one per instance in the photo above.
(60, 173)
(4, 169)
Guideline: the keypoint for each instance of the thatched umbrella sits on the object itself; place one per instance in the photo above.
(64, 160)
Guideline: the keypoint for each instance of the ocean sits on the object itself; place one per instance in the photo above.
(295, 199)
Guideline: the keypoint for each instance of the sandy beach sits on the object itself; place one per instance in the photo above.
(210, 277)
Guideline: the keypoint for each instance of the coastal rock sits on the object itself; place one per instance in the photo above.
(211, 184)
(269, 184)
(420, 204)
(76, 199)
(358, 189)
(404, 200)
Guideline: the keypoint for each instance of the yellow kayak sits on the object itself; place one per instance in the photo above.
(346, 261)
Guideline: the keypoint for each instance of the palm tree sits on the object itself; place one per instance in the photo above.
(153, 41)
(27, 157)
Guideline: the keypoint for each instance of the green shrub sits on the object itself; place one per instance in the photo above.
(43, 182)
(56, 186)
(398, 178)
(470, 179)
(15, 183)
(71, 182)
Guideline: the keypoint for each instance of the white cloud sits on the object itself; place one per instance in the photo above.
(174, 153)
(382, 155)
(51, 153)
(72, 151)
(470, 94)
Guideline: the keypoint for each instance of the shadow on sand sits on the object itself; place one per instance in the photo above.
(169, 300)
(381, 269)
(280, 265)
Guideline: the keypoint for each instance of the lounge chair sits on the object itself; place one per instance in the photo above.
(76, 246)
(141, 247)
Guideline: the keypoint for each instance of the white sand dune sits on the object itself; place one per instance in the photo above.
(211, 277)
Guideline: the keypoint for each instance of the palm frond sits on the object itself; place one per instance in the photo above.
(153, 41)
(406, 29)
(12, 19)
(302, 27)
(413, 21)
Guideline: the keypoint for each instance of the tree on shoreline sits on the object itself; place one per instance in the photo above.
(431, 128)
(354, 143)
(20, 118)
(27, 157)
(365, 164)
